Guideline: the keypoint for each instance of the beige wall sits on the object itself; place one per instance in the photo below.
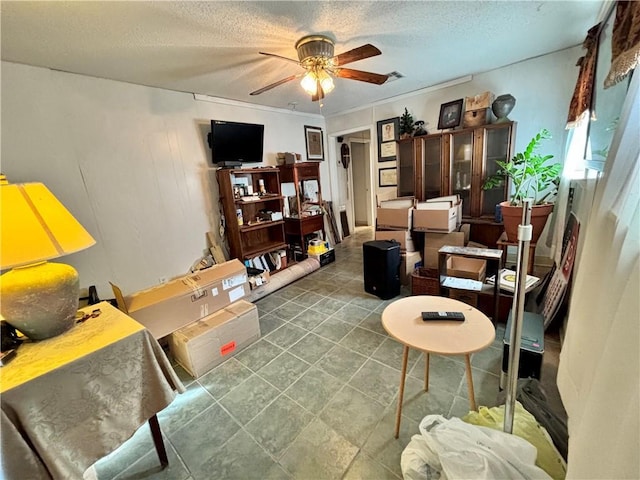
(131, 163)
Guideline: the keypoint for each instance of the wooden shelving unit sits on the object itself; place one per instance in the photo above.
(494, 260)
(298, 227)
(254, 236)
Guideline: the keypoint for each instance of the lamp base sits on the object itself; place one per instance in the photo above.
(40, 300)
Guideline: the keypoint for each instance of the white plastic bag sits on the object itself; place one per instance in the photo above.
(453, 449)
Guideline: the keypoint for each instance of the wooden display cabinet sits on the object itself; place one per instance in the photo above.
(457, 162)
(302, 220)
(406, 169)
(248, 233)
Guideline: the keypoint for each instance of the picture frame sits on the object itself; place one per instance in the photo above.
(387, 177)
(388, 135)
(313, 139)
(450, 114)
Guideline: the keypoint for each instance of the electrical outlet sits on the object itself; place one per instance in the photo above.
(162, 279)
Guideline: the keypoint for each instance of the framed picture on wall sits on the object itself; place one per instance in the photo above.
(313, 141)
(450, 114)
(387, 177)
(388, 135)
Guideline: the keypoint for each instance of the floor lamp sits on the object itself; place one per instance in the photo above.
(38, 298)
(525, 231)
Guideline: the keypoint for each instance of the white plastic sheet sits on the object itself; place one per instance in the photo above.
(452, 449)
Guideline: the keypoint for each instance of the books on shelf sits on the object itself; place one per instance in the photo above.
(508, 281)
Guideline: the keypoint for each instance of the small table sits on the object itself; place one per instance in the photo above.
(402, 320)
(70, 400)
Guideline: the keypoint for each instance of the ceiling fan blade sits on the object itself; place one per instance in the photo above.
(279, 82)
(319, 95)
(280, 57)
(360, 53)
(368, 77)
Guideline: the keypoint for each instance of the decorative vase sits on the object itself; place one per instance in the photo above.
(502, 107)
(40, 300)
(512, 216)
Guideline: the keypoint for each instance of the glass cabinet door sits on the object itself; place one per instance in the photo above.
(460, 179)
(497, 147)
(431, 167)
(406, 169)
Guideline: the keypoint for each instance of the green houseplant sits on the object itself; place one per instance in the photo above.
(406, 124)
(530, 176)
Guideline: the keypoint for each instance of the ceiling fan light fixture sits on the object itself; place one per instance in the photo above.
(309, 83)
(326, 82)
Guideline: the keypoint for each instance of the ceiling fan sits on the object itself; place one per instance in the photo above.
(315, 55)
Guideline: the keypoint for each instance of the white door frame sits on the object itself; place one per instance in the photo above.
(335, 165)
(370, 218)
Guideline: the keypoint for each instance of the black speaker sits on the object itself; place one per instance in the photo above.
(381, 260)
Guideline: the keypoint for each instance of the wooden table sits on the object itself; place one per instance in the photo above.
(403, 321)
(69, 400)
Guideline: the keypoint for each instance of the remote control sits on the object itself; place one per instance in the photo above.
(458, 316)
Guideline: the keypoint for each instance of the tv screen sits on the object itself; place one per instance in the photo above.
(236, 142)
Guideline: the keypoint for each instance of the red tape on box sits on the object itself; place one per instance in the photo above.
(228, 348)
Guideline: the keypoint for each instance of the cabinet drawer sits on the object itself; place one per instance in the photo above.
(466, 297)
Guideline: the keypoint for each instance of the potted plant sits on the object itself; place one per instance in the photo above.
(531, 176)
(406, 124)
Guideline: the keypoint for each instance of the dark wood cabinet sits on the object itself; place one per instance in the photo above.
(254, 223)
(406, 170)
(304, 216)
(457, 162)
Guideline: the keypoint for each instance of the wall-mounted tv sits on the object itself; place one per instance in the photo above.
(232, 142)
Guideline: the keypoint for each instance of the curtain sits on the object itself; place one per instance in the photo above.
(580, 105)
(599, 370)
(625, 42)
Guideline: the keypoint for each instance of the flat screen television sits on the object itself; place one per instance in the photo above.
(232, 142)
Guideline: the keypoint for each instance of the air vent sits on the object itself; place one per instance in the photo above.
(393, 76)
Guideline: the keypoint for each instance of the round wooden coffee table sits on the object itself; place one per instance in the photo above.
(402, 320)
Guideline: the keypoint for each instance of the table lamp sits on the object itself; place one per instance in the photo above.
(37, 297)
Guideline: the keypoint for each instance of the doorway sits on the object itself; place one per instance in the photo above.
(352, 185)
(359, 178)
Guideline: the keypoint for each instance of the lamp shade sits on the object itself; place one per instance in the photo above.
(36, 227)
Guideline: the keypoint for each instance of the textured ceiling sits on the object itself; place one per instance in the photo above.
(212, 48)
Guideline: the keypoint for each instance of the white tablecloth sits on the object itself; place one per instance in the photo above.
(70, 400)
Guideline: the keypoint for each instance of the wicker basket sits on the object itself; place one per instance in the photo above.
(425, 281)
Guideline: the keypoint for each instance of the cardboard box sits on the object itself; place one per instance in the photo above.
(257, 277)
(466, 229)
(482, 100)
(394, 218)
(395, 214)
(202, 345)
(435, 217)
(409, 261)
(476, 118)
(325, 258)
(450, 198)
(403, 237)
(400, 202)
(434, 241)
(170, 306)
(463, 267)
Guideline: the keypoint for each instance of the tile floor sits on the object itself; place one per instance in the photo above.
(314, 398)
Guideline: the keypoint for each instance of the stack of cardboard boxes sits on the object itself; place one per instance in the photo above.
(393, 222)
(202, 315)
(434, 224)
